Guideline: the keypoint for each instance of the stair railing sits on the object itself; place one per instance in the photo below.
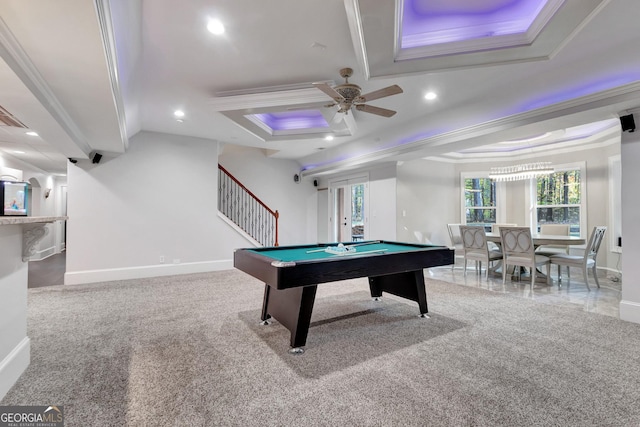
(243, 208)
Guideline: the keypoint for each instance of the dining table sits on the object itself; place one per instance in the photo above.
(538, 240)
(544, 239)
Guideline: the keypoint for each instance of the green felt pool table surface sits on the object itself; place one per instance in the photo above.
(310, 252)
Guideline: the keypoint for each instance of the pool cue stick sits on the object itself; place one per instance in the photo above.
(316, 250)
(361, 253)
(363, 244)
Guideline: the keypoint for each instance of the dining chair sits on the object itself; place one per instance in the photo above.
(586, 261)
(518, 250)
(553, 230)
(456, 241)
(495, 228)
(474, 241)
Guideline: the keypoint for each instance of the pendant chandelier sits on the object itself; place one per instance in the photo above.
(521, 172)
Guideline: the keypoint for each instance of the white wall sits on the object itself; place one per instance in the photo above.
(427, 201)
(630, 153)
(382, 209)
(14, 344)
(323, 232)
(157, 199)
(271, 180)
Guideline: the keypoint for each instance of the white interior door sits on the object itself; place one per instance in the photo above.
(341, 218)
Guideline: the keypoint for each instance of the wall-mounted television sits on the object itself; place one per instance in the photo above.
(14, 197)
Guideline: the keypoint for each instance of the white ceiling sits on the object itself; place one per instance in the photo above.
(87, 76)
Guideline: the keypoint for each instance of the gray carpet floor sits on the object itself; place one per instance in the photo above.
(188, 351)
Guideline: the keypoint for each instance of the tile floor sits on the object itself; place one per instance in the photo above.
(605, 300)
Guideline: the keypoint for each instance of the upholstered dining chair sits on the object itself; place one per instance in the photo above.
(586, 261)
(495, 228)
(518, 250)
(474, 241)
(553, 230)
(456, 241)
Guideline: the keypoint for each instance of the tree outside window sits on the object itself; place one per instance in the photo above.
(357, 212)
(480, 202)
(559, 199)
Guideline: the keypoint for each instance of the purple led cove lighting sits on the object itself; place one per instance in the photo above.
(430, 22)
(580, 90)
(292, 120)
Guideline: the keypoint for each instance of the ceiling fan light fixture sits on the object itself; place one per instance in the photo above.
(349, 95)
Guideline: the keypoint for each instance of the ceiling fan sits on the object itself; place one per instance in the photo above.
(348, 95)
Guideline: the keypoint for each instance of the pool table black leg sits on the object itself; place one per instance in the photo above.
(265, 302)
(409, 285)
(292, 308)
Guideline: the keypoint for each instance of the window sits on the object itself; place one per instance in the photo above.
(559, 199)
(480, 202)
(357, 212)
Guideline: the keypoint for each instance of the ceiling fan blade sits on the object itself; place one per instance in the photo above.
(375, 110)
(329, 91)
(381, 93)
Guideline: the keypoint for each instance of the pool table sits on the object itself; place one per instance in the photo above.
(291, 275)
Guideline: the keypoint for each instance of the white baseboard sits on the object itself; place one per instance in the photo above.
(108, 275)
(14, 365)
(630, 311)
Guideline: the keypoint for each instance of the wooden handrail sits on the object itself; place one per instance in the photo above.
(275, 214)
(234, 179)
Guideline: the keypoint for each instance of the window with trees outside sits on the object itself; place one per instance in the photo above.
(357, 212)
(559, 199)
(480, 202)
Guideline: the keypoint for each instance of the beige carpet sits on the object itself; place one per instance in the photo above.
(188, 351)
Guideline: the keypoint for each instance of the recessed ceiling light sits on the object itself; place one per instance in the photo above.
(178, 113)
(328, 138)
(430, 96)
(18, 152)
(215, 27)
(32, 133)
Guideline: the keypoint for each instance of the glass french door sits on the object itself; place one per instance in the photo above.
(348, 218)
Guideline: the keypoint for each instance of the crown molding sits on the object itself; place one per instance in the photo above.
(612, 97)
(20, 63)
(354, 20)
(103, 12)
(267, 99)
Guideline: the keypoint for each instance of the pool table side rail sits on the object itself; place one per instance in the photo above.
(311, 272)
